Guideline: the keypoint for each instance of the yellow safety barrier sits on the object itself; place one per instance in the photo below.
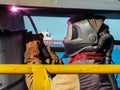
(41, 71)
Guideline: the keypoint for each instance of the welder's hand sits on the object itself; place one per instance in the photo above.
(33, 48)
(54, 57)
(31, 55)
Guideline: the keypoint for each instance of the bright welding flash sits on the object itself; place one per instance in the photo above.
(14, 9)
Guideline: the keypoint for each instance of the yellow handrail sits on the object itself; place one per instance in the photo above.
(54, 69)
(40, 71)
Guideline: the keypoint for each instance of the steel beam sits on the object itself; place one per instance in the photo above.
(74, 4)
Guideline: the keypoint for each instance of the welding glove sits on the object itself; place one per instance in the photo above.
(37, 53)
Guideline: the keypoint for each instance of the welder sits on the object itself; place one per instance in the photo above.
(88, 41)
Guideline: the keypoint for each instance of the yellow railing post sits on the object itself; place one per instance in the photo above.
(41, 80)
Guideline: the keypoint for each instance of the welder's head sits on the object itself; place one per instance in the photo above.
(82, 33)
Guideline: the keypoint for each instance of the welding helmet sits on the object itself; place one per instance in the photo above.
(82, 34)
